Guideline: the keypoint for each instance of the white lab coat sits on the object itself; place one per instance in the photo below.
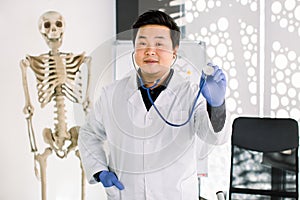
(153, 160)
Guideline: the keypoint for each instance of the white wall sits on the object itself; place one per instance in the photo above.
(88, 24)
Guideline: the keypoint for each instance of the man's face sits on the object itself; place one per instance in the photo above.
(154, 53)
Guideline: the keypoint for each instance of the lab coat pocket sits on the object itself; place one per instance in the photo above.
(113, 193)
(189, 187)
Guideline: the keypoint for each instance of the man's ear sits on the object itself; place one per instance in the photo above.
(175, 51)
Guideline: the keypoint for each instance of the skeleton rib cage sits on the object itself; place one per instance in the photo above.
(57, 75)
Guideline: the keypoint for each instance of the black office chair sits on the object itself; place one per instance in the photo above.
(264, 160)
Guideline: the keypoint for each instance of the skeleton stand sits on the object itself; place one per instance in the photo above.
(56, 74)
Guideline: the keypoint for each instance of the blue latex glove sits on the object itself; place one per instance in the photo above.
(214, 88)
(109, 179)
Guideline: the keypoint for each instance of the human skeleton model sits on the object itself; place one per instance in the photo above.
(56, 74)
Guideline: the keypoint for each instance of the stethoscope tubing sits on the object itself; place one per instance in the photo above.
(201, 85)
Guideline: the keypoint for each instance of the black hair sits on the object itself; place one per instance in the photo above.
(156, 17)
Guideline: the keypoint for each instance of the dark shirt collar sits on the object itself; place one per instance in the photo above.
(164, 84)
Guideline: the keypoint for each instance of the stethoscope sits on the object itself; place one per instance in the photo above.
(201, 85)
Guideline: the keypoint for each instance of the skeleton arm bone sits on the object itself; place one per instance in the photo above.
(86, 102)
(28, 109)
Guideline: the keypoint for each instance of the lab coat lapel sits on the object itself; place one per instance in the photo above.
(135, 102)
(167, 97)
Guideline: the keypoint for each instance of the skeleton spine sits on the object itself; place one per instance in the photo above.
(61, 126)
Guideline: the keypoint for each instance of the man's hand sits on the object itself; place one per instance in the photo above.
(109, 179)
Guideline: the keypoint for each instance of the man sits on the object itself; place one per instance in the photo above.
(139, 139)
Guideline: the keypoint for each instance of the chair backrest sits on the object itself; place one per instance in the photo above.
(264, 159)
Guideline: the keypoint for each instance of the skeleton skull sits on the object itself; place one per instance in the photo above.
(51, 26)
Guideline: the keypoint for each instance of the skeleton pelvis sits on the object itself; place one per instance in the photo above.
(62, 145)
